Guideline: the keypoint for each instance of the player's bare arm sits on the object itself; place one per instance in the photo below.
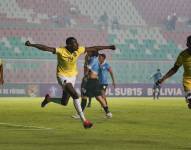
(98, 48)
(170, 73)
(112, 77)
(41, 47)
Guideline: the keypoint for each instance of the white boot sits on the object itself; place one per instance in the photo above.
(109, 115)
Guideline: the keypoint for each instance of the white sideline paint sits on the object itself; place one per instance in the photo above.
(18, 125)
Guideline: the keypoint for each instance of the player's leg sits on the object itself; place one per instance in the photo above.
(62, 101)
(187, 89)
(65, 98)
(103, 92)
(104, 105)
(65, 95)
(188, 98)
(68, 86)
(83, 92)
(83, 97)
(93, 90)
(83, 106)
(83, 102)
(96, 91)
(154, 91)
(104, 96)
(70, 89)
(158, 92)
(89, 101)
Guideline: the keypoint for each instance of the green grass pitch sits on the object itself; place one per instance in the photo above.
(137, 123)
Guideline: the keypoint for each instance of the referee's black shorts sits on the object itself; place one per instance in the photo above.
(93, 88)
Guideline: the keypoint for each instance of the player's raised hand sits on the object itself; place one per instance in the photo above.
(1, 82)
(27, 43)
(112, 47)
(160, 81)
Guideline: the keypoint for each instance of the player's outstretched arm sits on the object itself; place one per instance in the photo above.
(112, 77)
(41, 47)
(98, 48)
(170, 73)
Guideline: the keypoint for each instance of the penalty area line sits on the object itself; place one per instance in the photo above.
(24, 126)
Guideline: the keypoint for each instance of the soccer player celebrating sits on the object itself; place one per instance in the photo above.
(66, 72)
(1, 72)
(184, 59)
(156, 87)
(103, 75)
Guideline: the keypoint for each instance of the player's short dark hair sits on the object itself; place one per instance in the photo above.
(189, 39)
(69, 40)
(95, 53)
(103, 55)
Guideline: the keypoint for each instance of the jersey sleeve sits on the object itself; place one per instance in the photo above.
(81, 50)
(179, 60)
(108, 66)
(58, 50)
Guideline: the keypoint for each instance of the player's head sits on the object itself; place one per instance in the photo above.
(102, 58)
(92, 53)
(188, 44)
(89, 53)
(95, 53)
(72, 44)
(158, 70)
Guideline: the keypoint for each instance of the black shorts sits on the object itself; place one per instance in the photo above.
(156, 86)
(93, 88)
(103, 87)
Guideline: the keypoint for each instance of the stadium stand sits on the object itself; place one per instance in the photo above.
(142, 44)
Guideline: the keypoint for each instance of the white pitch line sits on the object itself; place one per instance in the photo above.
(18, 125)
